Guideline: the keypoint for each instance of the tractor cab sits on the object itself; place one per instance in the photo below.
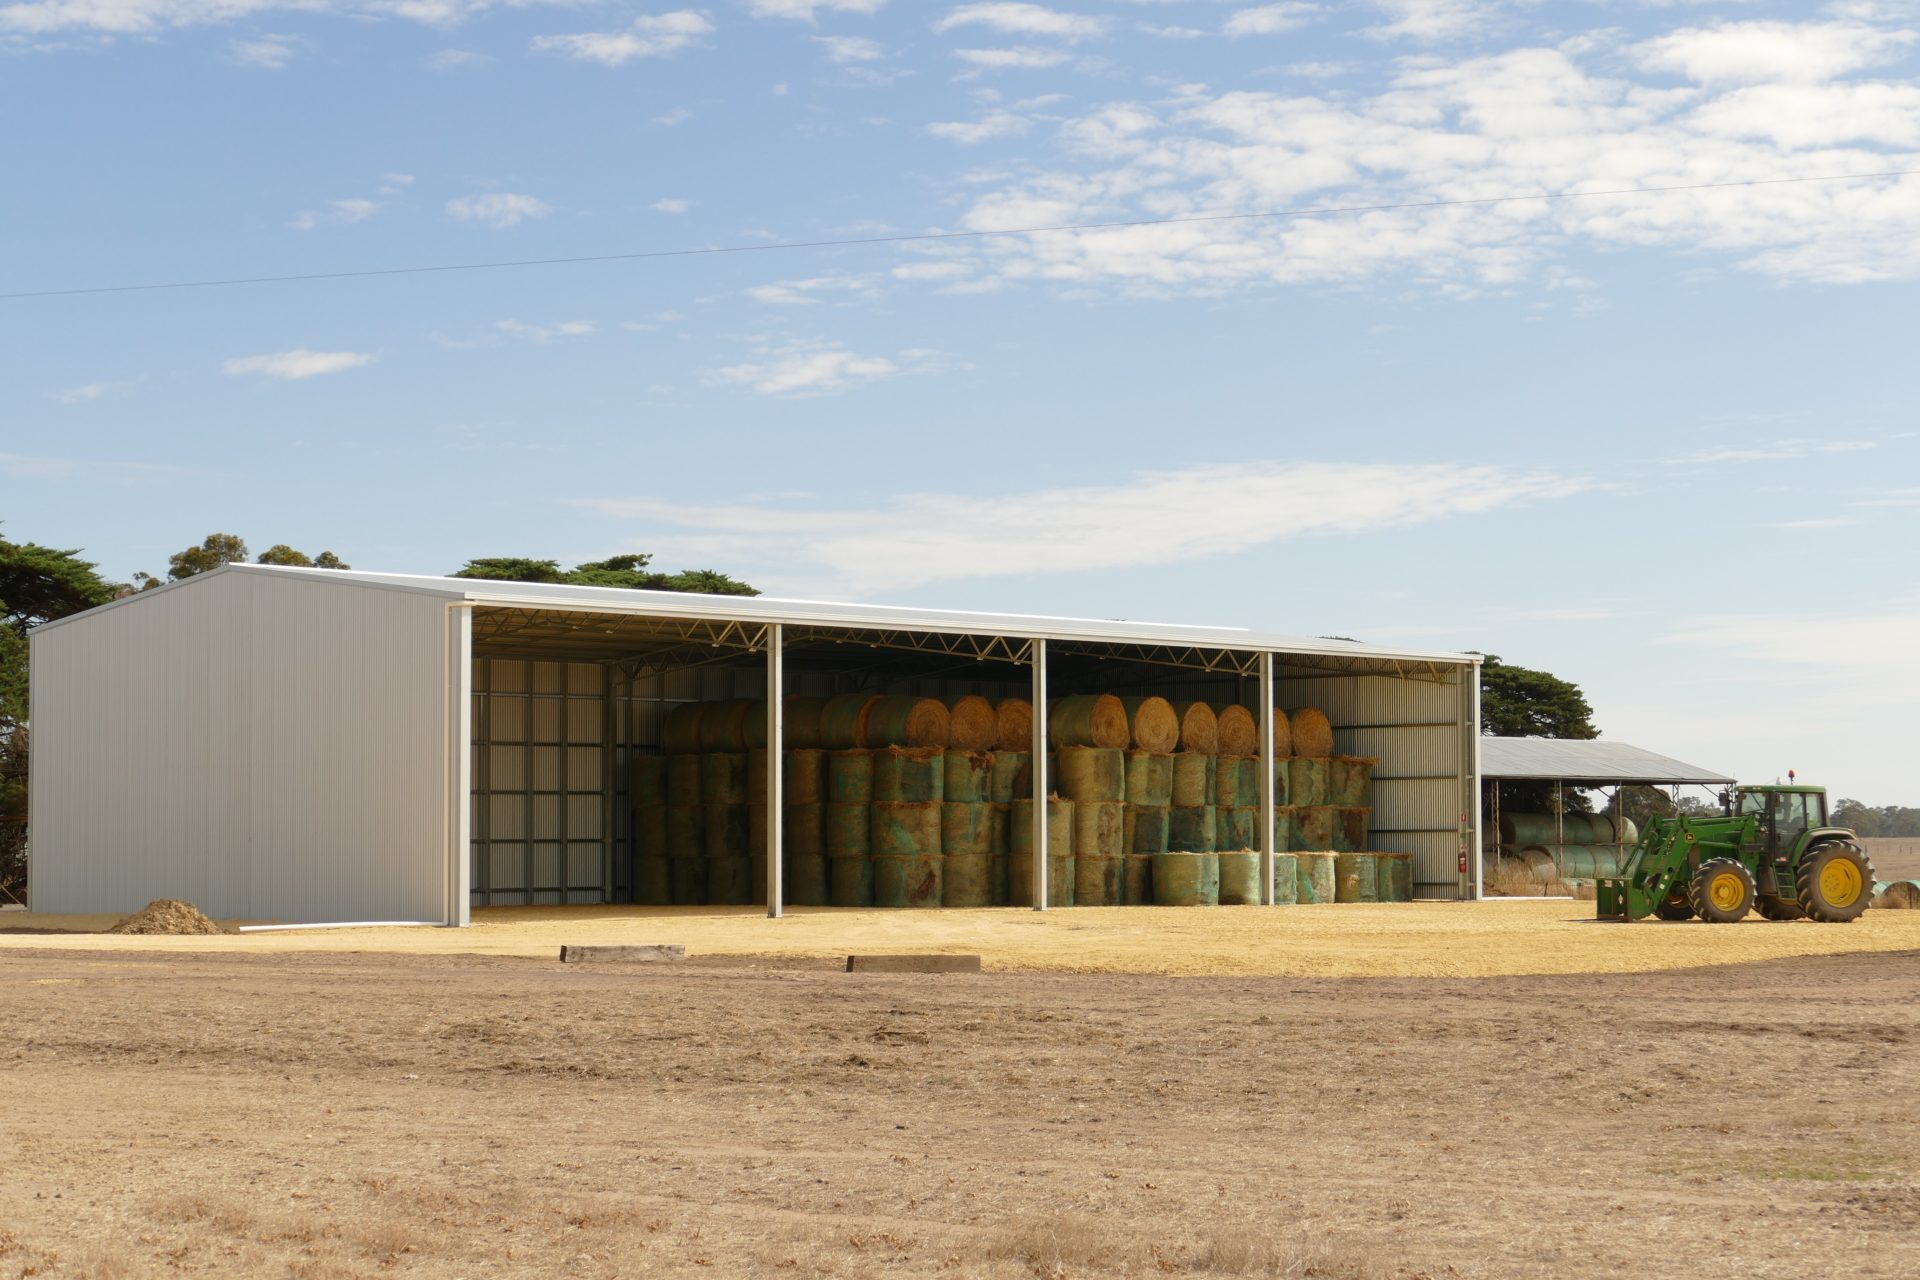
(1782, 815)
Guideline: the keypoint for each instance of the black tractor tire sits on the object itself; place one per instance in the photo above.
(1722, 891)
(1676, 907)
(1778, 908)
(1835, 882)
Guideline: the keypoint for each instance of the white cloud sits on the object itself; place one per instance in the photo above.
(455, 59)
(148, 17)
(1270, 19)
(937, 271)
(339, 213)
(270, 53)
(922, 538)
(542, 334)
(791, 293)
(498, 209)
(1771, 451)
(1022, 19)
(847, 49)
(1434, 21)
(668, 204)
(648, 36)
(299, 363)
(1762, 52)
(1022, 57)
(31, 467)
(995, 124)
(677, 115)
(80, 395)
(1173, 32)
(813, 369)
(804, 10)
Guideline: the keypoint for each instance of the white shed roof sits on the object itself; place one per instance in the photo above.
(767, 609)
(1590, 760)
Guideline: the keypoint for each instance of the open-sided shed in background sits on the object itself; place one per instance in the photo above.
(315, 745)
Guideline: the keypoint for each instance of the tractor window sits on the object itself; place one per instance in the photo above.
(1752, 802)
(1790, 813)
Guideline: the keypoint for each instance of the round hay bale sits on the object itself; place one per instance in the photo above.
(1011, 777)
(1098, 830)
(647, 781)
(910, 775)
(969, 777)
(1312, 733)
(1236, 734)
(723, 725)
(843, 720)
(806, 780)
(1093, 775)
(902, 829)
(972, 725)
(802, 721)
(1199, 727)
(723, 778)
(1899, 895)
(1150, 779)
(901, 721)
(1540, 863)
(684, 782)
(1193, 782)
(966, 830)
(681, 733)
(1059, 828)
(1152, 724)
(1088, 720)
(1014, 718)
(1282, 735)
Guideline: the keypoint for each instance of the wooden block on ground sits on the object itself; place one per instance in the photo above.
(913, 964)
(624, 955)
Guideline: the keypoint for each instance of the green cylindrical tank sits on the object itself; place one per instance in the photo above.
(1184, 879)
(966, 880)
(1307, 781)
(1239, 879)
(1137, 890)
(909, 775)
(1356, 878)
(1098, 879)
(850, 776)
(969, 777)
(1190, 830)
(1150, 779)
(1286, 879)
(683, 782)
(647, 782)
(1011, 777)
(1396, 876)
(902, 829)
(1193, 779)
(1146, 829)
(966, 830)
(1316, 876)
(653, 881)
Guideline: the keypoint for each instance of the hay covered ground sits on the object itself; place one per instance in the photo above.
(1422, 939)
(195, 1110)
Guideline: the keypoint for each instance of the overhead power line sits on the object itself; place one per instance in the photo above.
(783, 246)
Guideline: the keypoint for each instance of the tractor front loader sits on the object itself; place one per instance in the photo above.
(1771, 852)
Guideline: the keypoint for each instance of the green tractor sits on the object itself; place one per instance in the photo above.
(1771, 852)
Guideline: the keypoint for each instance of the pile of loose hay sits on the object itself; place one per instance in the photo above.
(167, 915)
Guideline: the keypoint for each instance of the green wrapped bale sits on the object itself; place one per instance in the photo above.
(903, 721)
(1286, 829)
(966, 880)
(1396, 876)
(805, 830)
(1350, 829)
(1356, 877)
(911, 881)
(1186, 879)
(1316, 877)
(902, 829)
(850, 776)
(969, 776)
(1092, 775)
(801, 722)
(1098, 880)
(1236, 829)
(843, 720)
(806, 882)
(1010, 777)
(1146, 830)
(1059, 827)
(1350, 782)
(1060, 878)
(806, 776)
(684, 788)
(966, 830)
(909, 775)
(1239, 879)
(1193, 780)
(723, 726)
(1307, 782)
(848, 830)
(1191, 830)
(1137, 888)
(1282, 781)
(1316, 828)
(850, 881)
(1149, 779)
(1286, 880)
(1089, 720)
(1098, 830)
(1236, 781)
(647, 782)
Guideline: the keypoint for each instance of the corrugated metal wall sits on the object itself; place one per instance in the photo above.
(1421, 732)
(273, 750)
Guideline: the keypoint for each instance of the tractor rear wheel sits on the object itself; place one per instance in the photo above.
(1676, 907)
(1722, 891)
(1835, 882)
(1778, 908)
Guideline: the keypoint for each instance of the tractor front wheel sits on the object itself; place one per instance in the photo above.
(1722, 891)
(1835, 882)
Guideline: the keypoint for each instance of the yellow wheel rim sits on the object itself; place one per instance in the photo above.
(1840, 882)
(1726, 891)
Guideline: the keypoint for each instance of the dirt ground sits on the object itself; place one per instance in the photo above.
(1419, 939)
(176, 1112)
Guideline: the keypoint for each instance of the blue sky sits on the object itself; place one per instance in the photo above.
(1664, 445)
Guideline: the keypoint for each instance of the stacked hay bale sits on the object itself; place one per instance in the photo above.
(909, 785)
(967, 828)
(1286, 884)
(1236, 824)
(1010, 780)
(647, 794)
(1090, 734)
(1350, 794)
(1188, 873)
(846, 830)
(1059, 853)
(1153, 732)
(685, 831)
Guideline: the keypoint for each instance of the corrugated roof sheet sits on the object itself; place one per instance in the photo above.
(1592, 760)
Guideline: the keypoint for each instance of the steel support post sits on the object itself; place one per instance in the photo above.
(1037, 770)
(776, 771)
(1265, 721)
